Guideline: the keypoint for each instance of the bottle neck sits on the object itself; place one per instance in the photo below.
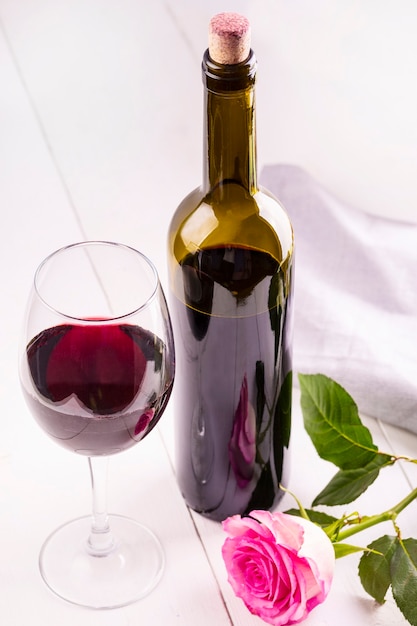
(229, 133)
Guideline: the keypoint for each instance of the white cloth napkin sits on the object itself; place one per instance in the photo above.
(355, 296)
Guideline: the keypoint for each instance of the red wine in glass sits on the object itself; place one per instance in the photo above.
(98, 389)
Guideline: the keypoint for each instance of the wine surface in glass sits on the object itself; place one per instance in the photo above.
(97, 389)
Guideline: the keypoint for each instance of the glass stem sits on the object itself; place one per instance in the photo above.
(100, 541)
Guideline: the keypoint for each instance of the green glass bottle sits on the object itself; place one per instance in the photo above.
(230, 256)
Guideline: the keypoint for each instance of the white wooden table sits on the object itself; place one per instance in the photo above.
(100, 137)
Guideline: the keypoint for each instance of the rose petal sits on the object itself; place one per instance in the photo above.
(319, 551)
(237, 526)
(284, 527)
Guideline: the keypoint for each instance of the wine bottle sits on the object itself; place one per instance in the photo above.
(230, 258)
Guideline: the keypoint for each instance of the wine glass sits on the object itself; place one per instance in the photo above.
(97, 369)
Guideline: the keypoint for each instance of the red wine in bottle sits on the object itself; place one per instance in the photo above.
(230, 254)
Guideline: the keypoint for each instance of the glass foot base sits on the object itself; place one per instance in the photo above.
(129, 572)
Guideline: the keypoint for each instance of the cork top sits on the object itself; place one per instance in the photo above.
(229, 38)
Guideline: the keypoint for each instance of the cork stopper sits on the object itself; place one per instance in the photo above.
(229, 38)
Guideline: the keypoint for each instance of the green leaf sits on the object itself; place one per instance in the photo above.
(318, 517)
(404, 578)
(332, 421)
(347, 485)
(344, 549)
(374, 568)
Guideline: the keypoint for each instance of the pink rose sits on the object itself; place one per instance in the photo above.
(281, 566)
(242, 445)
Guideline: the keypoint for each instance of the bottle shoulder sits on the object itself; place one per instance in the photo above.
(229, 215)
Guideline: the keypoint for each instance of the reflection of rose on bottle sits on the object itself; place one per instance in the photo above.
(144, 421)
(242, 445)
